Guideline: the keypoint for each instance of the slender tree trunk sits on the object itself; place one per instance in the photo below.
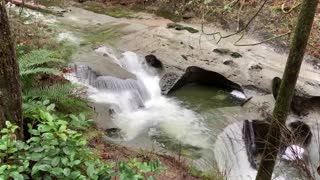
(287, 87)
(10, 90)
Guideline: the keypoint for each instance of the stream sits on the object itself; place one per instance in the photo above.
(200, 124)
(195, 122)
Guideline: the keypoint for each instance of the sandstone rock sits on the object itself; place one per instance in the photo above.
(228, 62)
(153, 61)
(167, 81)
(201, 76)
(254, 134)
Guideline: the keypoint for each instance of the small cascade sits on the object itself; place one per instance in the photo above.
(135, 91)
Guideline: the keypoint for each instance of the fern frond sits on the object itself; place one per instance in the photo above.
(60, 94)
(38, 70)
(54, 92)
(37, 58)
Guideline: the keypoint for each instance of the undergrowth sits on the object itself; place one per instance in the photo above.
(57, 150)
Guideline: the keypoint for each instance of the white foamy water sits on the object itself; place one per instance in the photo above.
(174, 120)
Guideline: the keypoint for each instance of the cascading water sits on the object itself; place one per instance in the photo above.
(140, 107)
(140, 104)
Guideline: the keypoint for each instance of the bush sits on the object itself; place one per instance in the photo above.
(56, 150)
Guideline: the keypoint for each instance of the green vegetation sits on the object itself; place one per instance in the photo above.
(60, 3)
(31, 64)
(100, 35)
(56, 149)
(168, 14)
(101, 8)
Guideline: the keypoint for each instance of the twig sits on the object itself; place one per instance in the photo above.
(21, 8)
(264, 41)
(291, 9)
(245, 102)
(239, 31)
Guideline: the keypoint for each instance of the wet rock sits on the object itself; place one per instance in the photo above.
(300, 104)
(103, 117)
(235, 55)
(113, 133)
(180, 27)
(254, 134)
(184, 57)
(153, 61)
(204, 77)
(256, 67)
(301, 133)
(228, 62)
(224, 51)
(102, 65)
(167, 81)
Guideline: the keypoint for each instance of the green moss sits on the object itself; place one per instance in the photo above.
(101, 8)
(162, 12)
(101, 36)
(60, 3)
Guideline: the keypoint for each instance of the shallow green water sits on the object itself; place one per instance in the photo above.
(203, 98)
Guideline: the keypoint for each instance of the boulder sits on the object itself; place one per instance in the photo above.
(167, 81)
(254, 135)
(102, 65)
(153, 61)
(204, 77)
(300, 105)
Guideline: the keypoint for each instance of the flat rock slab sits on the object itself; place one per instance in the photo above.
(102, 65)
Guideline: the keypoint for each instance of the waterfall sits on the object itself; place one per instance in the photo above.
(141, 107)
(140, 104)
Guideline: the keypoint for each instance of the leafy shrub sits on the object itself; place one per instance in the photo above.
(136, 170)
(56, 150)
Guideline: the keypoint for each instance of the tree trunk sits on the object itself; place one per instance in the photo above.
(10, 89)
(287, 87)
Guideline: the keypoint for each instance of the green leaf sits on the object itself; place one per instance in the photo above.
(47, 136)
(66, 172)
(74, 175)
(44, 128)
(51, 107)
(62, 128)
(55, 161)
(35, 156)
(8, 124)
(45, 167)
(64, 161)
(3, 168)
(90, 170)
(63, 136)
(42, 167)
(151, 178)
(34, 132)
(4, 131)
(16, 175)
(45, 102)
(57, 171)
(67, 150)
(3, 147)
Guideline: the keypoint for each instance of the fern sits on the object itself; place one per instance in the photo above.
(60, 94)
(31, 63)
